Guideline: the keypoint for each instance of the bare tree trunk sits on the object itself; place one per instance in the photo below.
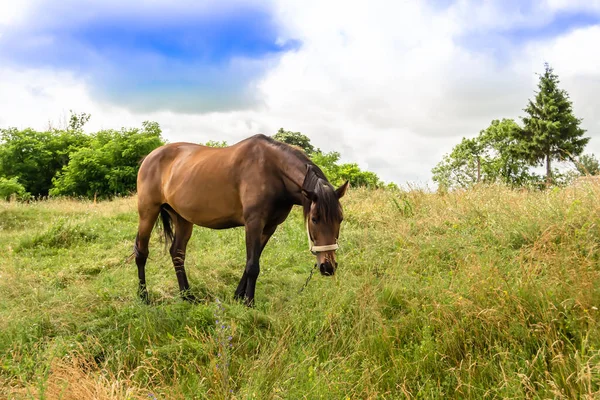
(548, 171)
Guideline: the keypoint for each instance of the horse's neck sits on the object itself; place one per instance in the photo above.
(293, 172)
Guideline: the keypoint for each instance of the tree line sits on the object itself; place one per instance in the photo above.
(506, 152)
(104, 164)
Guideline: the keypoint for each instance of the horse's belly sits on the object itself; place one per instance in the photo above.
(217, 215)
(221, 224)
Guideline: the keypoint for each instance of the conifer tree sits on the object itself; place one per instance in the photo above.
(551, 131)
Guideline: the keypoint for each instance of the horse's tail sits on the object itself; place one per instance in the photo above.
(167, 223)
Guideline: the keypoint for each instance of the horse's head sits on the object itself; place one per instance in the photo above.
(323, 220)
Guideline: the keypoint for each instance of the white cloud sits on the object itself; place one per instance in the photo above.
(572, 54)
(34, 97)
(570, 5)
(12, 11)
(385, 83)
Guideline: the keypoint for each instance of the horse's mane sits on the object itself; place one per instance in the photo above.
(315, 183)
(288, 148)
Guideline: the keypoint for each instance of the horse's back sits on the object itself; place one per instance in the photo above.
(200, 183)
(151, 175)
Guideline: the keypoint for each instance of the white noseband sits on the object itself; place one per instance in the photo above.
(317, 249)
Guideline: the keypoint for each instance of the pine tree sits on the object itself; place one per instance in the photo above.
(551, 131)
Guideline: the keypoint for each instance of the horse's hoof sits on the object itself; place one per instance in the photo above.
(145, 298)
(238, 297)
(190, 298)
(241, 298)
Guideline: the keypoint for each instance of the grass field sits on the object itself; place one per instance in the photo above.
(489, 293)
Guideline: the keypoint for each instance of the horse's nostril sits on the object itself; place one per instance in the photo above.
(326, 269)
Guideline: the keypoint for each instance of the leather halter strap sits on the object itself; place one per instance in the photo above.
(318, 249)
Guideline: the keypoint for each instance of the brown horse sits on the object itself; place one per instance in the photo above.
(254, 183)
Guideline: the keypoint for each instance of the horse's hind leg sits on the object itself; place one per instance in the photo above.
(147, 219)
(183, 232)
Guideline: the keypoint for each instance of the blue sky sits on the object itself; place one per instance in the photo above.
(391, 85)
(189, 59)
(534, 25)
(555, 25)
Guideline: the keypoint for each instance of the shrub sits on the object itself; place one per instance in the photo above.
(10, 187)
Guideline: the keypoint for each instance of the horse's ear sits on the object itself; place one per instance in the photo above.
(309, 195)
(309, 183)
(341, 191)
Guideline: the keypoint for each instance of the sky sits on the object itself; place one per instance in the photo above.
(391, 85)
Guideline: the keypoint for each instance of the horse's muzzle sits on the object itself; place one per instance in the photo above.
(327, 268)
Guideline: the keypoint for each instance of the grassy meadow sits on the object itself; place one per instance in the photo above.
(487, 293)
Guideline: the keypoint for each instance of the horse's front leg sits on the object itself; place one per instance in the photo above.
(254, 245)
(268, 231)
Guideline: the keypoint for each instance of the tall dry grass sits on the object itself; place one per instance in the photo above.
(485, 293)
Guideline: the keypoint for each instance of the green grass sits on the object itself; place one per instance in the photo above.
(488, 293)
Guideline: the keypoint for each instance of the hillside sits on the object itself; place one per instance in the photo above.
(478, 294)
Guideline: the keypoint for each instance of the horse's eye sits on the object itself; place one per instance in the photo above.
(314, 220)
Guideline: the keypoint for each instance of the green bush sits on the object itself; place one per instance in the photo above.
(109, 166)
(11, 187)
(72, 163)
(35, 157)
